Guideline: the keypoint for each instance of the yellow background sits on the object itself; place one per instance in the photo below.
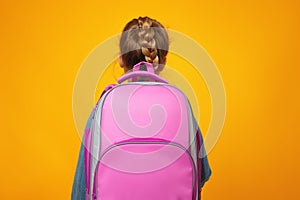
(255, 45)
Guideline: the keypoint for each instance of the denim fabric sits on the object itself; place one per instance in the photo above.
(206, 170)
(79, 184)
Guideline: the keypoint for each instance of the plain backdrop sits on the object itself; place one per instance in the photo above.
(255, 45)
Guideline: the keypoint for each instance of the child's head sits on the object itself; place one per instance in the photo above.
(143, 39)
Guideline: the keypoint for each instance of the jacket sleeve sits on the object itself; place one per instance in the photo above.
(202, 156)
(205, 168)
(79, 183)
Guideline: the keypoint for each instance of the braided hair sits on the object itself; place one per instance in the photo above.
(144, 39)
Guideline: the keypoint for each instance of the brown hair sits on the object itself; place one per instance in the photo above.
(144, 39)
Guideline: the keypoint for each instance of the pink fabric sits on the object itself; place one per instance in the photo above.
(153, 170)
(172, 181)
(144, 111)
(149, 67)
(87, 142)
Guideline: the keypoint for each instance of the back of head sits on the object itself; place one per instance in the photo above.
(144, 39)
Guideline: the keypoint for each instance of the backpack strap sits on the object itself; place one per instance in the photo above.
(87, 135)
(108, 87)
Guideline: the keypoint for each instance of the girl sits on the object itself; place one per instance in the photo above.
(143, 39)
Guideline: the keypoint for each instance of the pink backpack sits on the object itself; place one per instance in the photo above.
(143, 143)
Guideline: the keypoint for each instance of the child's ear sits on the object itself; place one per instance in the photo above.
(121, 63)
(164, 61)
